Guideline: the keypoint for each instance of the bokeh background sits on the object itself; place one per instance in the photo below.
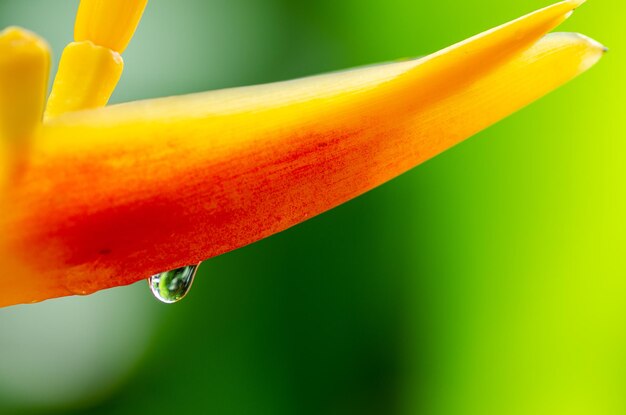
(489, 280)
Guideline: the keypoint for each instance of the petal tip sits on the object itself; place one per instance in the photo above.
(590, 51)
(573, 4)
(15, 39)
(591, 43)
(596, 51)
(594, 44)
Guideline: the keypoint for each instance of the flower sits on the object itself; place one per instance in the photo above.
(96, 197)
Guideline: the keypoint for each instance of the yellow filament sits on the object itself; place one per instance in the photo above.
(91, 67)
(24, 69)
(109, 23)
(86, 78)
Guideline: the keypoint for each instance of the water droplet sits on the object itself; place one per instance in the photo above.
(171, 286)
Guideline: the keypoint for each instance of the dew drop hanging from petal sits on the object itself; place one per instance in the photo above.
(172, 286)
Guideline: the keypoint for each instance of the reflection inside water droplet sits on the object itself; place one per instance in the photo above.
(171, 286)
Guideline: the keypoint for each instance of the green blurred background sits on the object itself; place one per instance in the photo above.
(490, 280)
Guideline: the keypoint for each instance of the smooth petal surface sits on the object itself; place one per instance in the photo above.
(108, 23)
(24, 68)
(86, 78)
(120, 193)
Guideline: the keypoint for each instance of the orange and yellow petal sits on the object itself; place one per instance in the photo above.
(116, 194)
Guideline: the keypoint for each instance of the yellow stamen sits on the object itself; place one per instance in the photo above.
(24, 69)
(109, 23)
(91, 67)
(86, 78)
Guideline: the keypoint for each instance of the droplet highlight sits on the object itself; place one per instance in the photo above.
(172, 286)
